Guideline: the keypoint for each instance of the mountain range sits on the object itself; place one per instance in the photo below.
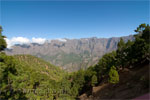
(70, 54)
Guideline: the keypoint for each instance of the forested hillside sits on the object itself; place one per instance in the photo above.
(121, 72)
(27, 77)
(40, 66)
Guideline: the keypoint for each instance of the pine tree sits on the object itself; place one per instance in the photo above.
(3, 44)
(140, 48)
(113, 75)
(94, 80)
(121, 55)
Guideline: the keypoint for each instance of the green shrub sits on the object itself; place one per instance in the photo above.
(94, 80)
(113, 75)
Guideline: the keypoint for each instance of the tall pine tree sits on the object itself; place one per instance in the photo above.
(3, 44)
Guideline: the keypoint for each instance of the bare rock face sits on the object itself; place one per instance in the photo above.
(70, 54)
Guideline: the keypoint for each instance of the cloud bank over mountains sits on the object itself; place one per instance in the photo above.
(38, 40)
(24, 40)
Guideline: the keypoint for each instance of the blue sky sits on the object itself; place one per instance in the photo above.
(74, 19)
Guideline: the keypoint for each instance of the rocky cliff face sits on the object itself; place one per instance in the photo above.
(70, 54)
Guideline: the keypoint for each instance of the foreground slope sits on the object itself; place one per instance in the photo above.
(40, 66)
(133, 83)
(24, 77)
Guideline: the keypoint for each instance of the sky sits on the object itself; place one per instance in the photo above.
(40, 20)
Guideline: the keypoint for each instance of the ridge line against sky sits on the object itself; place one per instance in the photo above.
(23, 40)
(79, 19)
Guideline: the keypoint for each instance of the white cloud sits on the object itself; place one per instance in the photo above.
(63, 40)
(23, 40)
(38, 40)
(20, 40)
(17, 40)
(9, 44)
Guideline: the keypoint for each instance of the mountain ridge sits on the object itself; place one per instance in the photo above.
(72, 54)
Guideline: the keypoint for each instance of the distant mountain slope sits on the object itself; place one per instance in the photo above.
(40, 66)
(71, 54)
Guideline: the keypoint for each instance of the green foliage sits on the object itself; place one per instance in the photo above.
(78, 80)
(74, 90)
(23, 77)
(105, 64)
(141, 28)
(139, 51)
(89, 73)
(134, 51)
(121, 55)
(113, 75)
(8, 77)
(94, 80)
(3, 44)
(42, 67)
(142, 42)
